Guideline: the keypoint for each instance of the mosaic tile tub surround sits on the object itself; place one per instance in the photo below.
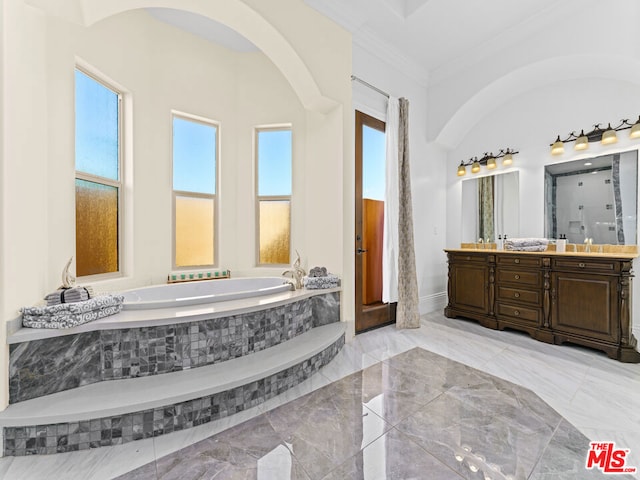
(42, 367)
(116, 430)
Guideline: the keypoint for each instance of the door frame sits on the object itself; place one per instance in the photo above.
(366, 316)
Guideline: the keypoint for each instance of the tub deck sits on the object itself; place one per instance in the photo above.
(16, 333)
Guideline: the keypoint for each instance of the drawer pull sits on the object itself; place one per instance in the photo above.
(517, 277)
(516, 313)
(517, 294)
(468, 258)
(582, 265)
(517, 260)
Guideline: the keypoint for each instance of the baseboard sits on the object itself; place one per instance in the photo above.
(433, 302)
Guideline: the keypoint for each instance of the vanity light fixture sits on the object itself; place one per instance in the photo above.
(635, 130)
(489, 160)
(606, 136)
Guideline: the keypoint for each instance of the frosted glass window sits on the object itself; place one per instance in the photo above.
(96, 228)
(274, 231)
(274, 186)
(194, 231)
(97, 128)
(195, 155)
(98, 178)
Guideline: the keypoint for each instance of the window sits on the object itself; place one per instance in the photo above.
(195, 151)
(273, 152)
(98, 175)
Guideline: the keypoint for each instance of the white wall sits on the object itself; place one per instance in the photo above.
(162, 68)
(428, 171)
(529, 123)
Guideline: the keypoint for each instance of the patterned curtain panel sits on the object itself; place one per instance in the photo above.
(485, 209)
(407, 314)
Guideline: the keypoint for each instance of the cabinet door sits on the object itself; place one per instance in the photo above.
(470, 287)
(585, 304)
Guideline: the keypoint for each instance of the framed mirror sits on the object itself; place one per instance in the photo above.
(490, 207)
(593, 198)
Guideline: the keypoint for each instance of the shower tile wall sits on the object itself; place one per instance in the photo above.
(585, 214)
(42, 367)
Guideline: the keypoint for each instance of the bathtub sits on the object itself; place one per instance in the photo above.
(205, 291)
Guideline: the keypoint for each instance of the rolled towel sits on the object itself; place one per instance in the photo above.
(318, 272)
(69, 295)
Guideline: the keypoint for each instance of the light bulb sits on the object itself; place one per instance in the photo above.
(582, 142)
(609, 136)
(558, 147)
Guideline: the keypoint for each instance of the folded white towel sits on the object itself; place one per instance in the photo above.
(315, 283)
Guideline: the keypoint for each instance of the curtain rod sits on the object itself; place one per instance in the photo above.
(367, 84)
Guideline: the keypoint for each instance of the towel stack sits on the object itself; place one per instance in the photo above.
(526, 244)
(69, 295)
(319, 278)
(67, 315)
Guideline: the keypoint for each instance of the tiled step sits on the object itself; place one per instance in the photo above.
(121, 397)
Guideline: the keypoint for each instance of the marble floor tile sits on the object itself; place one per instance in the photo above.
(349, 360)
(549, 382)
(95, 464)
(393, 456)
(565, 457)
(398, 404)
(480, 423)
(252, 449)
(166, 444)
(326, 427)
(385, 342)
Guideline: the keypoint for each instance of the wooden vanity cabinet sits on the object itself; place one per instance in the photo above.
(556, 298)
(469, 280)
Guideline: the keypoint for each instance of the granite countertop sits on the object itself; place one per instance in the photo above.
(623, 255)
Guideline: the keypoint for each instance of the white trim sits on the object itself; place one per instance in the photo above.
(96, 75)
(215, 197)
(432, 303)
(278, 127)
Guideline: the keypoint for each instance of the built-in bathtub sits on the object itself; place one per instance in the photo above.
(121, 359)
(205, 291)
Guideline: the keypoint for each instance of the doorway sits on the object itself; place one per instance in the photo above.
(370, 153)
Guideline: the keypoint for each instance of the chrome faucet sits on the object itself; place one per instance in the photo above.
(296, 273)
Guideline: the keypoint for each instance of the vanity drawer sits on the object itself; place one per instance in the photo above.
(518, 261)
(519, 277)
(518, 295)
(586, 264)
(471, 257)
(518, 312)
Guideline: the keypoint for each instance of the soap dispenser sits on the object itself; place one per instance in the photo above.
(500, 243)
(561, 243)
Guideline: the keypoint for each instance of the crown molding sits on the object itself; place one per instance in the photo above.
(369, 41)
